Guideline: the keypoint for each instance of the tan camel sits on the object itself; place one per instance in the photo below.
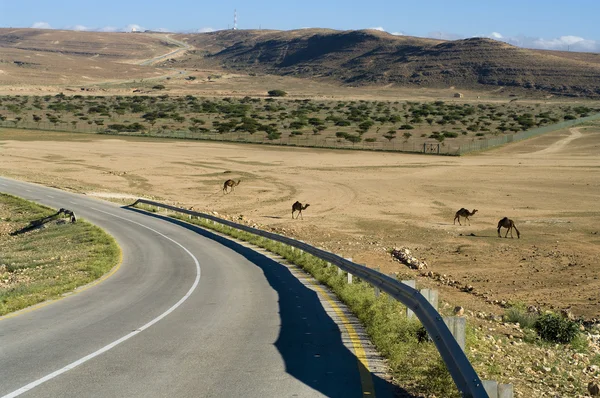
(230, 184)
(508, 224)
(464, 213)
(298, 207)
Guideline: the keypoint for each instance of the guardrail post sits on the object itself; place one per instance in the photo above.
(491, 387)
(377, 291)
(458, 328)
(412, 283)
(505, 391)
(349, 278)
(341, 271)
(432, 296)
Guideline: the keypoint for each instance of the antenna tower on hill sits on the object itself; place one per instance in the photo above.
(234, 19)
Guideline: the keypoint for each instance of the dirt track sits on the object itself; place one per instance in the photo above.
(364, 202)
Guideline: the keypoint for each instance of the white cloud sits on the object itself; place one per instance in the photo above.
(41, 25)
(562, 43)
(398, 33)
(132, 27)
(206, 30)
(573, 43)
(108, 29)
(80, 28)
(379, 28)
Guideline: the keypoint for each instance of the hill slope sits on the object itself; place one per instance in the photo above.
(372, 57)
(364, 57)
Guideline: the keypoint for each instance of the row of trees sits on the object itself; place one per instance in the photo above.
(351, 120)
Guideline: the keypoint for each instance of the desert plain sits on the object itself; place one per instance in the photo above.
(364, 203)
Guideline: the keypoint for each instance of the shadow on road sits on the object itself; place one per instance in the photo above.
(309, 341)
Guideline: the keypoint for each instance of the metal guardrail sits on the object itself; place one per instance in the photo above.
(461, 370)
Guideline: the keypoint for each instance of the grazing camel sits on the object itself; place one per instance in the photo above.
(508, 224)
(464, 213)
(298, 207)
(231, 184)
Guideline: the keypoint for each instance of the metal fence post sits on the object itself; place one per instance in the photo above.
(432, 296)
(412, 283)
(458, 328)
(491, 387)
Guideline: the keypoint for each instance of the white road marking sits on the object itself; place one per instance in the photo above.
(50, 196)
(74, 203)
(102, 350)
(28, 190)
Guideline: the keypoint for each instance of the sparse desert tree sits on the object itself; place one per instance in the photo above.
(277, 93)
(390, 135)
(407, 135)
(353, 138)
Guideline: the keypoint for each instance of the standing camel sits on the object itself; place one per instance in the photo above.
(298, 207)
(231, 184)
(464, 213)
(508, 224)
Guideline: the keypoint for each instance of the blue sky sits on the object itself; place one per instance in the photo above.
(553, 24)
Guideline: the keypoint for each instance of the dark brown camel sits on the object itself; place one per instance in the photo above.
(298, 207)
(464, 213)
(230, 184)
(508, 224)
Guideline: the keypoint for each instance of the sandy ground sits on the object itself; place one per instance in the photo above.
(362, 203)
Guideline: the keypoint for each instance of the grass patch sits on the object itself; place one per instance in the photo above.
(518, 314)
(43, 264)
(416, 366)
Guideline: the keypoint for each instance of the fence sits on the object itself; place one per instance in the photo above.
(415, 145)
(505, 139)
(461, 370)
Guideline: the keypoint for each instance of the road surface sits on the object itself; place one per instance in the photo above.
(186, 314)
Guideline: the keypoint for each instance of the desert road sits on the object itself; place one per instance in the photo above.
(186, 314)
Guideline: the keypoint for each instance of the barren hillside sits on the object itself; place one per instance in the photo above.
(343, 58)
(370, 57)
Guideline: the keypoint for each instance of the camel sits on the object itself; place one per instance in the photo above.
(464, 213)
(508, 224)
(298, 207)
(231, 184)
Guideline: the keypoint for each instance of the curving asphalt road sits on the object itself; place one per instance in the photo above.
(187, 314)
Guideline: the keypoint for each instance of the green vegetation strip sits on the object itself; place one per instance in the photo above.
(415, 363)
(438, 127)
(45, 263)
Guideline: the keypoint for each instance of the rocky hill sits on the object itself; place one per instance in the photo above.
(368, 57)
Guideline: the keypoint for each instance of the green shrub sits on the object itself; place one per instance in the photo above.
(277, 93)
(518, 315)
(556, 329)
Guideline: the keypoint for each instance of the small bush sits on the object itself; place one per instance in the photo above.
(522, 317)
(277, 93)
(554, 328)
(158, 87)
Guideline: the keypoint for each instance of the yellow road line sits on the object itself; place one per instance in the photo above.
(363, 364)
(67, 294)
